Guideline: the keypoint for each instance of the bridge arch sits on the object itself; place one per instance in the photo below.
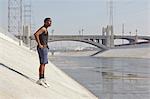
(101, 46)
(121, 41)
(130, 40)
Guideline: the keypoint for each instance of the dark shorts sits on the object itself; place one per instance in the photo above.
(43, 55)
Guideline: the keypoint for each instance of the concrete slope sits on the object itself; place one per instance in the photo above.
(19, 71)
(127, 52)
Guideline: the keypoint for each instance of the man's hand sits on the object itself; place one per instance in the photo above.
(41, 46)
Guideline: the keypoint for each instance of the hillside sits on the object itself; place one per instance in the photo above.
(19, 71)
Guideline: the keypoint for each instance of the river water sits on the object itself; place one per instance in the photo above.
(108, 78)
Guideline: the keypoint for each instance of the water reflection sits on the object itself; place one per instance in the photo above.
(109, 78)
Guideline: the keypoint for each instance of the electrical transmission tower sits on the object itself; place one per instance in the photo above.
(111, 23)
(27, 13)
(110, 3)
(27, 22)
(15, 16)
(19, 18)
(109, 30)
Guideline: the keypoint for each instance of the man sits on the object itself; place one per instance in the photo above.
(41, 37)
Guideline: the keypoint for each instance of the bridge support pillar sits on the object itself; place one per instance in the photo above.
(26, 35)
(131, 42)
(97, 40)
(136, 39)
(104, 42)
(109, 40)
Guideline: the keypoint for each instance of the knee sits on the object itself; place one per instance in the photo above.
(42, 65)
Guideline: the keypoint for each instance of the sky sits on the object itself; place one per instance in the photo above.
(70, 16)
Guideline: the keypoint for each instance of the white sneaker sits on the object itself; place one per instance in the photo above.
(44, 80)
(40, 82)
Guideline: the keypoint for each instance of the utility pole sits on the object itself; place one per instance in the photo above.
(130, 33)
(20, 25)
(122, 33)
(82, 31)
(136, 32)
(52, 32)
(79, 32)
(136, 36)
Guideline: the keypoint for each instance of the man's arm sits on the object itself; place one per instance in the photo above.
(36, 35)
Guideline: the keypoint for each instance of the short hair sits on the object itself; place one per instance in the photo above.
(47, 19)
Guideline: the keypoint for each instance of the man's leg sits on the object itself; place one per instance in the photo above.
(41, 75)
(41, 71)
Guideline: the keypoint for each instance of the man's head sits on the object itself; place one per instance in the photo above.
(47, 22)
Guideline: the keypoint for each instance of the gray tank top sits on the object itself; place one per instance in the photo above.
(44, 38)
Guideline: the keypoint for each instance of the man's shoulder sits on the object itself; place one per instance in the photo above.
(43, 28)
(40, 30)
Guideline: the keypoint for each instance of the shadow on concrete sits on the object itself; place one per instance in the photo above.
(23, 75)
(101, 51)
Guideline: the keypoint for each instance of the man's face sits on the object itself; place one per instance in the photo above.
(48, 23)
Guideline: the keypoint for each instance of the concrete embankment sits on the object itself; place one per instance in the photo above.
(19, 71)
(127, 52)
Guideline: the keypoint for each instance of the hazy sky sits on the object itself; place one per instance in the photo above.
(70, 16)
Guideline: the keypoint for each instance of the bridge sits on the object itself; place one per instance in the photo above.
(99, 41)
